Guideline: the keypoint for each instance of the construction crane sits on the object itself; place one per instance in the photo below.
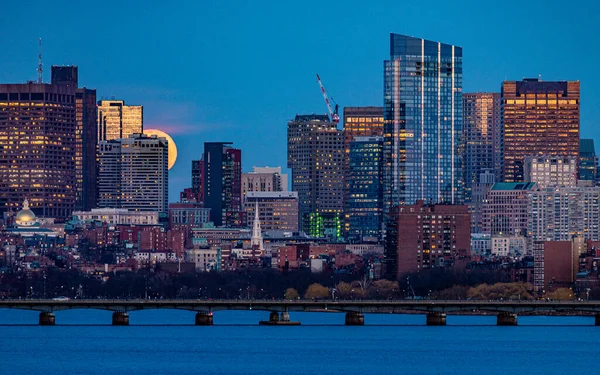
(333, 113)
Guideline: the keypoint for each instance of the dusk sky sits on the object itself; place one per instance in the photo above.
(238, 71)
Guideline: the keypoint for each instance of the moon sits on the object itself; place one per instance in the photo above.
(172, 147)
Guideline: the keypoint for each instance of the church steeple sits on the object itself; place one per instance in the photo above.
(257, 239)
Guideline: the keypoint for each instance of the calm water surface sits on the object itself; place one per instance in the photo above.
(166, 342)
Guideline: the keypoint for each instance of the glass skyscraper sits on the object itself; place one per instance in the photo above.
(588, 161)
(363, 206)
(423, 122)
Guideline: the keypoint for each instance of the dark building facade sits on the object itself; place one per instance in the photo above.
(423, 122)
(363, 206)
(222, 183)
(588, 161)
(481, 136)
(539, 118)
(316, 158)
(422, 236)
(37, 148)
(85, 136)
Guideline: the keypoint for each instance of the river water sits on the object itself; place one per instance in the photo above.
(167, 342)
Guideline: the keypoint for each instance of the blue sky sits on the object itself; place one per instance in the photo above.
(238, 71)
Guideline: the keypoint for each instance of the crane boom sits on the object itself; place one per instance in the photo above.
(334, 114)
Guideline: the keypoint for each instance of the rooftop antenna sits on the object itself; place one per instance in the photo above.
(40, 69)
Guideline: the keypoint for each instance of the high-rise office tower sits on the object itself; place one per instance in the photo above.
(588, 161)
(133, 173)
(37, 148)
(362, 122)
(539, 118)
(85, 136)
(198, 180)
(481, 137)
(316, 157)
(117, 120)
(278, 210)
(264, 179)
(363, 203)
(423, 122)
(222, 183)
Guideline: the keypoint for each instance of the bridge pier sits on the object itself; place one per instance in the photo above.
(507, 319)
(120, 318)
(204, 318)
(436, 319)
(276, 320)
(355, 319)
(47, 318)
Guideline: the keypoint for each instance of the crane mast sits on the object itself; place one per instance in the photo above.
(332, 113)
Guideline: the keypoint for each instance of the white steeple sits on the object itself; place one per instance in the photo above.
(257, 239)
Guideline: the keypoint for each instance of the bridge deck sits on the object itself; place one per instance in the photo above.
(362, 306)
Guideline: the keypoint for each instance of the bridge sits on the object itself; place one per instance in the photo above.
(436, 310)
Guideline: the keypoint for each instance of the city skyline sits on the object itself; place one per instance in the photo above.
(197, 99)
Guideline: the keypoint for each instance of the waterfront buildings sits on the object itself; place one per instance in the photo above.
(482, 137)
(363, 203)
(505, 210)
(423, 122)
(588, 161)
(539, 118)
(85, 136)
(422, 236)
(114, 216)
(267, 179)
(38, 124)
(117, 120)
(550, 171)
(133, 173)
(316, 158)
(277, 210)
(223, 183)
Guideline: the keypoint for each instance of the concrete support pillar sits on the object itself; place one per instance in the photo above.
(597, 320)
(436, 319)
(274, 317)
(355, 319)
(507, 319)
(204, 318)
(47, 319)
(120, 318)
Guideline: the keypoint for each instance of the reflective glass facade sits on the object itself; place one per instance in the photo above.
(588, 161)
(117, 120)
(481, 136)
(223, 183)
(423, 122)
(539, 118)
(364, 204)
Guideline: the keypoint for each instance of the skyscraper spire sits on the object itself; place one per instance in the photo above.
(257, 239)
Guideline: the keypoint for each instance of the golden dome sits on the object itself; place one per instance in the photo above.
(25, 217)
